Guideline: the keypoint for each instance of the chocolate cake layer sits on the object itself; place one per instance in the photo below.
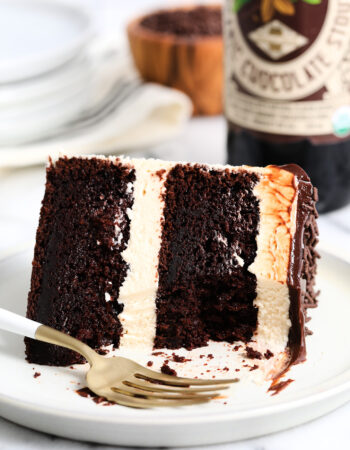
(198, 21)
(208, 242)
(78, 268)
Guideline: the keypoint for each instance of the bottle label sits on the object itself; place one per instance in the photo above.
(287, 67)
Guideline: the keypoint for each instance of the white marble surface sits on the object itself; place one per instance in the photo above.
(204, 141)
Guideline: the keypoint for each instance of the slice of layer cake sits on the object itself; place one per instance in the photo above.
(154, 254)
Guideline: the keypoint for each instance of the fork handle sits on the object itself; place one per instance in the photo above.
(15, 323)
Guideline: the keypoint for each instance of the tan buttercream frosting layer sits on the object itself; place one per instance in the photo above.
(277, 194)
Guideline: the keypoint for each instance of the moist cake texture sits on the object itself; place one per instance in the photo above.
(78, 268)
(151, 254)
(208, 242)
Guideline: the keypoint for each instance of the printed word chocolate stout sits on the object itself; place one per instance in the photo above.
(287, 89)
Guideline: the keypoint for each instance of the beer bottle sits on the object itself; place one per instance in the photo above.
(287, 89)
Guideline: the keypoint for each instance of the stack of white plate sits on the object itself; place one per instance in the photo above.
(45, 73)
(66, 89)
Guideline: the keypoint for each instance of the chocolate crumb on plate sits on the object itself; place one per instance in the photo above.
(253, 354)
(179, 359)
(86, 393)
(268, 354)
(167, 370)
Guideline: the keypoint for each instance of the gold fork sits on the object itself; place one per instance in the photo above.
(120, 379)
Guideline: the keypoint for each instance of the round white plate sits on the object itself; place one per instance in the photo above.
(49, 402)
(37, 36)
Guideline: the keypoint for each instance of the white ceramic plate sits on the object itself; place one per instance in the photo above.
(49, 402)
(37, 36)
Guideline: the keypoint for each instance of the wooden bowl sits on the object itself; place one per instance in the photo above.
(192, 64)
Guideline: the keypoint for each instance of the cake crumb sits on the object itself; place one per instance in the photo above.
(236, 348)
(157, 353)
(86, 393)
(253, 354)
(254, 367)
(150, 363)
(226, 368)
(268, 354)
(37, 374)
(308, 332)
(179, 359)
(167, 370)
(210, 356)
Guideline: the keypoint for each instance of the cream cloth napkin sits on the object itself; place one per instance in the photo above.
(121, 114)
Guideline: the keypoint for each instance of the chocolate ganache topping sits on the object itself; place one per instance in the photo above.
(302, 264)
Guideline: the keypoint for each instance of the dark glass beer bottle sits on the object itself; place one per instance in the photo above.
(287, 89)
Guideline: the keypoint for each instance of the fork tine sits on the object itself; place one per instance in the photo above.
(152, 387)
(134, 392)
(170, 380)
(134, 402)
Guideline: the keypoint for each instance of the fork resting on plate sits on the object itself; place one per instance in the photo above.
(120, 379)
